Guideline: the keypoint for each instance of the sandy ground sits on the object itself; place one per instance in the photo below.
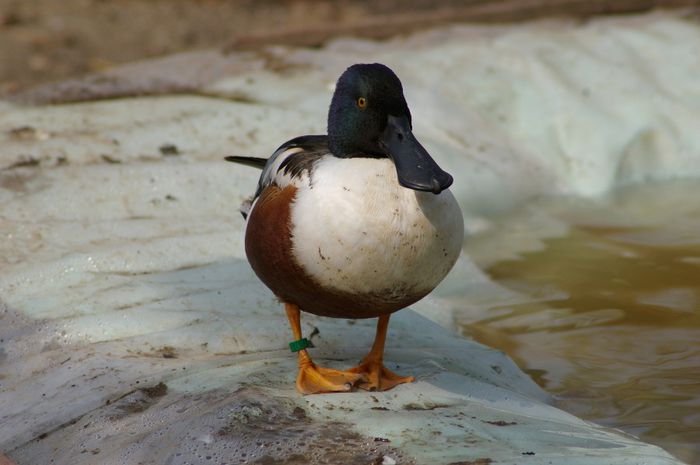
(46, 40)
(42, 41)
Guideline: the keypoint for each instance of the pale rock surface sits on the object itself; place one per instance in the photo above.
(133, 330)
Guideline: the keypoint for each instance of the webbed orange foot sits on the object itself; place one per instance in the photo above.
(376, 377)
(313, 379)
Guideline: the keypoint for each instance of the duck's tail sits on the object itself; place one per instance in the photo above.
(255, 162)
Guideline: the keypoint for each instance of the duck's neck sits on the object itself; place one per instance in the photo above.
(343, 147)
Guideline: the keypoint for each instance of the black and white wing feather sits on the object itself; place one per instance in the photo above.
(292, 162)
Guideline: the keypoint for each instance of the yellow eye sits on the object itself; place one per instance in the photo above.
(362, 102)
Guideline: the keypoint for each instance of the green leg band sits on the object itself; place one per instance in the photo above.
(301, 344)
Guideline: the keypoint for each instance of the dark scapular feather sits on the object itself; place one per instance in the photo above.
(255, 162)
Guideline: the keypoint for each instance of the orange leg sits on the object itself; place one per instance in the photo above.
(311, 378)
(375, 376)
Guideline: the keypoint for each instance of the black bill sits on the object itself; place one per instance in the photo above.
(415, 168)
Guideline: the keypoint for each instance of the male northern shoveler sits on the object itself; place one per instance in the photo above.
(356, 224)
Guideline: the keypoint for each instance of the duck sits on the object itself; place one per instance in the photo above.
(357, 223)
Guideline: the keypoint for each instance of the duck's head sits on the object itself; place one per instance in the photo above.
(369, 117)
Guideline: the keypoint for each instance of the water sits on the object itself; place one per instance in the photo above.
(606, 314)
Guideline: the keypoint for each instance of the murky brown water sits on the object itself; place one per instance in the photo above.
(607, 316)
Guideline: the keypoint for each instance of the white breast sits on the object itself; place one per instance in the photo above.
(355, 229)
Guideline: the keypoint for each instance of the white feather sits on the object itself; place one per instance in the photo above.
(355, 229)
